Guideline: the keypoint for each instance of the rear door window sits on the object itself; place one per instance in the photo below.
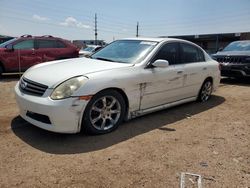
(46, 44)
(60, 44)
(190, 53)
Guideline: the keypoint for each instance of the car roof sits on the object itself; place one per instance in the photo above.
(154, 39)
(40, 37)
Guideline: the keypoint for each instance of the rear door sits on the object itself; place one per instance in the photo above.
(46, 49)
(193, 60)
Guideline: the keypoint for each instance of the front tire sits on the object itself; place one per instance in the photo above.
(1, 71)
(205, 91)
(104, 112)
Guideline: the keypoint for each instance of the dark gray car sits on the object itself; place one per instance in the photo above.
(235, 59)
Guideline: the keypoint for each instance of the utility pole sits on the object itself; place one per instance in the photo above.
(137, 29)
(95, 29)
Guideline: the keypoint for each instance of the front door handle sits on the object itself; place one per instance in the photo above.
(179, 72)
(205, 68)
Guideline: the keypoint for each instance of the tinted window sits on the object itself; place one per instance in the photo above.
(190, 53)
(26, 44)
(60, 44)
(46, 44)
(168, 52)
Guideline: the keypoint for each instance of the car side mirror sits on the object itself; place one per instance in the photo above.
(160, 63)
(9, 48)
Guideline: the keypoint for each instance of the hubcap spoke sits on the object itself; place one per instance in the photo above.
(114, 111)
(103, 123)
(95, 108)
(112, 103)
(112, 121)
(93, 121)
(104, 102)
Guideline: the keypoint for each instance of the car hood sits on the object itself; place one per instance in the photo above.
(232, 53)
(55, 72)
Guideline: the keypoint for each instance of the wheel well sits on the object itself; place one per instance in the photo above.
(209, 79)
(123, 95)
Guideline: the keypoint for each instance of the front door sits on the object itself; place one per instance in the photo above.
(163, 85)
(24, 55)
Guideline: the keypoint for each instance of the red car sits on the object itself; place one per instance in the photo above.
(21, 53)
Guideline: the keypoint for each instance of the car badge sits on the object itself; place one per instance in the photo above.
(23, 85)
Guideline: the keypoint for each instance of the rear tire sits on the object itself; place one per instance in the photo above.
(105, 111)
(205, 91)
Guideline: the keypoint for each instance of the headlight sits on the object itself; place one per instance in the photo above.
(67, 88)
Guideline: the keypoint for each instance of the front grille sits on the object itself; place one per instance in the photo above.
(38, 117)
(31, 87)
(230, 59)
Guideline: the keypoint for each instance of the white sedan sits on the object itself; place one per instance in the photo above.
(126, 79)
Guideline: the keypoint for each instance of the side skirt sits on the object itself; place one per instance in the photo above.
(161, 107)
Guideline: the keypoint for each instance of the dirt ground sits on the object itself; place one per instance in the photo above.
(211, 139)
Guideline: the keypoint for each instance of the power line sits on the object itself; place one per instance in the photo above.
(95, 29)
(137, 29)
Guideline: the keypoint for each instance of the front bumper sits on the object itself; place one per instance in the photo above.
(235, 70)
(62, 116)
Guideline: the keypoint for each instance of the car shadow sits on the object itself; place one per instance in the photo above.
(80, 143)
(235, 81)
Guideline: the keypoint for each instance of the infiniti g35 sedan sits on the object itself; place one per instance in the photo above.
(126, 79)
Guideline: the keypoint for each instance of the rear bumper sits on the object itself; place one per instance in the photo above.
(62, 116)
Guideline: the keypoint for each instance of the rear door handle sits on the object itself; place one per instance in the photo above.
(33, 51)
(179, 72)
(205, 68)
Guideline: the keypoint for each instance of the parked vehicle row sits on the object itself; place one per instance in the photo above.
(87, 52)
(126, 79)
(21, 53)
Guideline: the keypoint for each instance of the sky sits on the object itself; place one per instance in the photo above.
(74, 20)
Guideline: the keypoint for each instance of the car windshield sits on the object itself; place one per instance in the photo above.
(125, 51)
(3, 45)
(238, 46)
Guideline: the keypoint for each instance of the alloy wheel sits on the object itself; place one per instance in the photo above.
(105, 113)
(206, 91)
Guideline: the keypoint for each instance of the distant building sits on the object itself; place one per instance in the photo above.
(213, 42)
(4, 38)
(84, 43)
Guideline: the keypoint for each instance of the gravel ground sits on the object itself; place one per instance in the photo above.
(211, 139)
